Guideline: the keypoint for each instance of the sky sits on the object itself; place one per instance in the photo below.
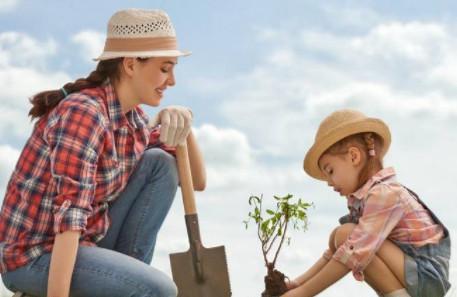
(262, 76)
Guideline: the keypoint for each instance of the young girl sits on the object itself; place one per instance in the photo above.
(96, 179)
(390, 238)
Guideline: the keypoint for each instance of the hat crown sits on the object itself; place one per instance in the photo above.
(336, 119)
(338, 125)
(140, 23)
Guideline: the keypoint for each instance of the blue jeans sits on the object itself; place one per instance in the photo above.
(119, 265)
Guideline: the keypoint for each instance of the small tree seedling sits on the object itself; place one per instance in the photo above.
(272, 226)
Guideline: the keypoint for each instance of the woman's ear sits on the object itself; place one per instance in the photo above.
(355, 155)
(128, 65)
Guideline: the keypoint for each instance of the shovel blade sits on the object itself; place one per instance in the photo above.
(215, 282)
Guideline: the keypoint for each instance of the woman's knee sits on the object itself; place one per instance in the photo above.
(342, 233)
(167, 289)
(163, 164)
(161, 284)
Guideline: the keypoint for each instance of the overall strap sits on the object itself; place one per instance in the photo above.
(432, 214)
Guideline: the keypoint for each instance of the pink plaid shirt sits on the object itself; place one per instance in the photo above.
(78, 158)
(386, 210)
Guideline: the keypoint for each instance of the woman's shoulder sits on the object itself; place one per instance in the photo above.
(84, 102)
(78, 106)
(81, 100)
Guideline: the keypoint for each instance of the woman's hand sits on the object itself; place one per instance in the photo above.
(175, 124)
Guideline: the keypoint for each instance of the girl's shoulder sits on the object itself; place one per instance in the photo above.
(388, 191)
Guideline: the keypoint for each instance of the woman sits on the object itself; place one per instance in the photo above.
(96, 178)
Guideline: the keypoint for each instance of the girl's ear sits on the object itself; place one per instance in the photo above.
(355, 155)
(128, 65)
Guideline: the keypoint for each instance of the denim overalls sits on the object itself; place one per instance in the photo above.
(427, 267)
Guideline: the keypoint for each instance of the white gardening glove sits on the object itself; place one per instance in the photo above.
(175, 124)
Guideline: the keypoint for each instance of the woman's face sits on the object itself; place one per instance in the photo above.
(151, 77)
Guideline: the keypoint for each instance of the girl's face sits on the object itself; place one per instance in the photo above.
(151, 77)
(342, 171)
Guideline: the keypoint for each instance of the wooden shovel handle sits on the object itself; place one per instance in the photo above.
(185, 178)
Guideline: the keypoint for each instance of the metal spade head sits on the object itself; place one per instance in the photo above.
(200, 272)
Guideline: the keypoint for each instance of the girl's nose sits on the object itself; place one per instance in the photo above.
(171, 79)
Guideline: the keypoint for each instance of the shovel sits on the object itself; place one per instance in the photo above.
(199, 272)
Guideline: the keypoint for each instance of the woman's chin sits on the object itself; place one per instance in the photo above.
(154, 101)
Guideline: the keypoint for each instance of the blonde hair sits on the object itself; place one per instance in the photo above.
(369, 144)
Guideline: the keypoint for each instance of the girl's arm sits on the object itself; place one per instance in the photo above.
(310, 272)
(328, 275)
(63, 259)
(197, 165)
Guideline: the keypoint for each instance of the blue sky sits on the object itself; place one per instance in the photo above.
(262, 76)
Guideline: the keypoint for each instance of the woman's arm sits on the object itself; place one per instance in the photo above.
(197, 165)
(63, 260)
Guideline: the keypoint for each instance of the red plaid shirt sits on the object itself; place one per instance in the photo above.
(385, 210)
(78, 158)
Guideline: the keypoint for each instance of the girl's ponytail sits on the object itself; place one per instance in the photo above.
(45, 101)
(373, 162)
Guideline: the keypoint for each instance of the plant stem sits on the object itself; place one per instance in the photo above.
(274, 238)
(263, 242)
(282, 240)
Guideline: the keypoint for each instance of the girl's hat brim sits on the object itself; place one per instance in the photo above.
(333, 135)
(107, 55)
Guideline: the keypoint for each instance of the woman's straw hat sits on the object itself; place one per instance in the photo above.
(338, 125)
(140, 33)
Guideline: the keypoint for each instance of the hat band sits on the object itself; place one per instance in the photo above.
(140, 44)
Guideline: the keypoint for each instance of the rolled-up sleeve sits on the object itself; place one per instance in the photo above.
(381, 214)
(75, 134)
(154, 141)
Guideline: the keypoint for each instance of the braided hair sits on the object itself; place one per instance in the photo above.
(45, 101)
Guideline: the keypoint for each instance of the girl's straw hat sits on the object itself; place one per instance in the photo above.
(341, 124)
(140, 33)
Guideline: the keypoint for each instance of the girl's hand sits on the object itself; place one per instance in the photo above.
(175, 124)
(291, 284)
(327, 255)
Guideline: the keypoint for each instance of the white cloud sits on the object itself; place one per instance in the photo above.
(230, 160)
(8, 5)
(416, 41)
(22, 74)
(392, 69)
(22, 50)
(92, 43)
(224, 147)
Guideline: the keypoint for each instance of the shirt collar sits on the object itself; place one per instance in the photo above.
(135, 117)
(381, 175)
